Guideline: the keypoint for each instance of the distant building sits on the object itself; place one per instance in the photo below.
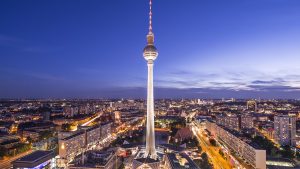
(252, 105)
(285, 129)
(83, 109)
(46, 116)
(117, 116)
(70, 111)
(246, 122)
(220, 120)
(231, 122)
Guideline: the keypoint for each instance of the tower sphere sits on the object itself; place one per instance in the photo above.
(150, 52)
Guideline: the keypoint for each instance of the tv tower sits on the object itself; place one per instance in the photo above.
(150, 54)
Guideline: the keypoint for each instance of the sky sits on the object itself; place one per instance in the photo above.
(93, 48)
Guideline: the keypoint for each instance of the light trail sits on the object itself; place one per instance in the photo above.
(93, 119)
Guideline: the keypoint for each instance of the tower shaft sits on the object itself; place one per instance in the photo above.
(150, 133)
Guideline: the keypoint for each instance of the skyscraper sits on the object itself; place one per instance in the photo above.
(150, 54)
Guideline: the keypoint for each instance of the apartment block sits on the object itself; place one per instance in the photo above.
(255, 156)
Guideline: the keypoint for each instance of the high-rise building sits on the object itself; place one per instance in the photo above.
(46, 116)
(246, 122)
(150, 54)
(220, 119)
(285, 129)
(70, 111)
(233, 122)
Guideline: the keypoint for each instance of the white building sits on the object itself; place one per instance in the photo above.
(77, 142)
(285, 129)
(255, 156)
(231, 122)
(70, 111)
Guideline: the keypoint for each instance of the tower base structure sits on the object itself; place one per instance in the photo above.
(146, 163)
(140, 162)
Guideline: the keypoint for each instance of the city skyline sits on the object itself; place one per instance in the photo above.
(234, 49)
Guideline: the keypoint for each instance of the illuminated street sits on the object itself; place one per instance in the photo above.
(93, 119)
(217, 160)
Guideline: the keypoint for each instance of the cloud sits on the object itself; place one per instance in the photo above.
(274, 88)
(263, 82)
(231, 80)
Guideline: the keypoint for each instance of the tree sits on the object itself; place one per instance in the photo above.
(287, 152)
(199, 149)
(204, 162)
(22, 147)
(221, 153)
(66, 127)
(173, 131)
(274, 152)
(2, 152)
(45, 134)
(213, 142)
(191, 143)
(298, 155)
(29, 139)
(264, 143)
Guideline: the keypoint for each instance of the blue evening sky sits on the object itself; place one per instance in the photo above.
(93, 48)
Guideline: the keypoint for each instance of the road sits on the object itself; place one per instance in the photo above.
(213, 153)
(6, 164)
(93, 119)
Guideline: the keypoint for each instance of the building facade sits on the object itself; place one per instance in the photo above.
(231, 121)
(247, 122)
(74, 144)
(285, 129)
(255, 156)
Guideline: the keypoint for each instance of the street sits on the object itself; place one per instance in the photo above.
(217, 160)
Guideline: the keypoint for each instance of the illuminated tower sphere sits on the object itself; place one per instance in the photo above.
(150, 54)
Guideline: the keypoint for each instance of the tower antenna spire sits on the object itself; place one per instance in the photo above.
(150, 36)
(150, 17)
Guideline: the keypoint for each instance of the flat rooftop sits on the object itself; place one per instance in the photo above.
(35, 156)
(34, 159)
(94, 158)
(174, 160)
